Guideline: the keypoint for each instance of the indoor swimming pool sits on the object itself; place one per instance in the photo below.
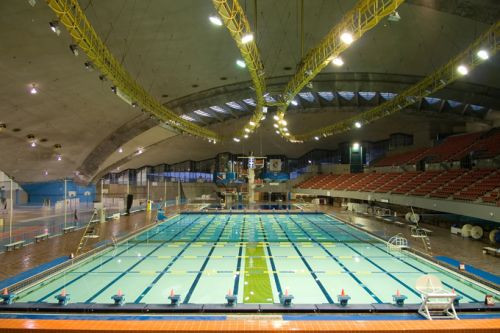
(203, 257)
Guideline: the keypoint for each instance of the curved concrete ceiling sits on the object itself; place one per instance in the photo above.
(173, 51)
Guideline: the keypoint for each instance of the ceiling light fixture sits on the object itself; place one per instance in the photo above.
(483, 54)
(247, 38)
(59, 158)
(33, 89)
(276, 117)
(240, 63)
(90, 67)
(252, 123)
(347, 38)
(276, 125)
(338, 61)
(316, 138)
(277, 132)
(463, 70)
(120, 150)
(236, 139)
(215, 20)
(294, 102)
(357, 124)
(54, 26)
(245, 136)
(74, 49)
(247, 130)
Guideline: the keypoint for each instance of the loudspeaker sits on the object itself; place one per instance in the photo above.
(130, 199)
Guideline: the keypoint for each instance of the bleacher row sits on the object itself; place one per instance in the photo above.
(454, 148)
(478, 185)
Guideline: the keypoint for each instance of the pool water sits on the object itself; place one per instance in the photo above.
(202, 257)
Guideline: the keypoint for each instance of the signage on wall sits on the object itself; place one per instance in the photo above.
(275, 164)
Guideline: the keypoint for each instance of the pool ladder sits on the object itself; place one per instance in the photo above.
(426, 241)
(90, 232)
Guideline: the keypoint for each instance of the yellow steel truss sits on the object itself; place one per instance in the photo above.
(488, 41)
(363, 17)
(236, 22)
(71, 15)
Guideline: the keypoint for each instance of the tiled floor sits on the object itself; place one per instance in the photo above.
(76, 326)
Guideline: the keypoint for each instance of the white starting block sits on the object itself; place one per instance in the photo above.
(437, 303)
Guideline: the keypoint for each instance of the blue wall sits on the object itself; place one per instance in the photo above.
(54, 191)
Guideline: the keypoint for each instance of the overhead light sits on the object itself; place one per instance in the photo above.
(277, 132)
(247, 38)
(90, 67)
(309, 161)
(245, 136)
(240, 63)
(264, 109)
(347, 38)
(120, 150)
(355, 146)
(33, 144)
(463, 70)
(357, 124)
(113, 89)
(33, 89)
(252, 123)
(263, 118)
(32, 3)
(54, 26)
(140, 150)
(294, 102)
(45, 173)
(338, 61)
(276, 117)
(285, 129)
(283, 122)
(134, 104)
(287, 134)
(483, 54)
(394, 17)
(74, 49)
(59, 157)
(276, 125)
(236, 139)
(215, 20)
(247, 130)
(316, 138)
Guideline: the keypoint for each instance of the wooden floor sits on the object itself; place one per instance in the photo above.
(35, 254)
